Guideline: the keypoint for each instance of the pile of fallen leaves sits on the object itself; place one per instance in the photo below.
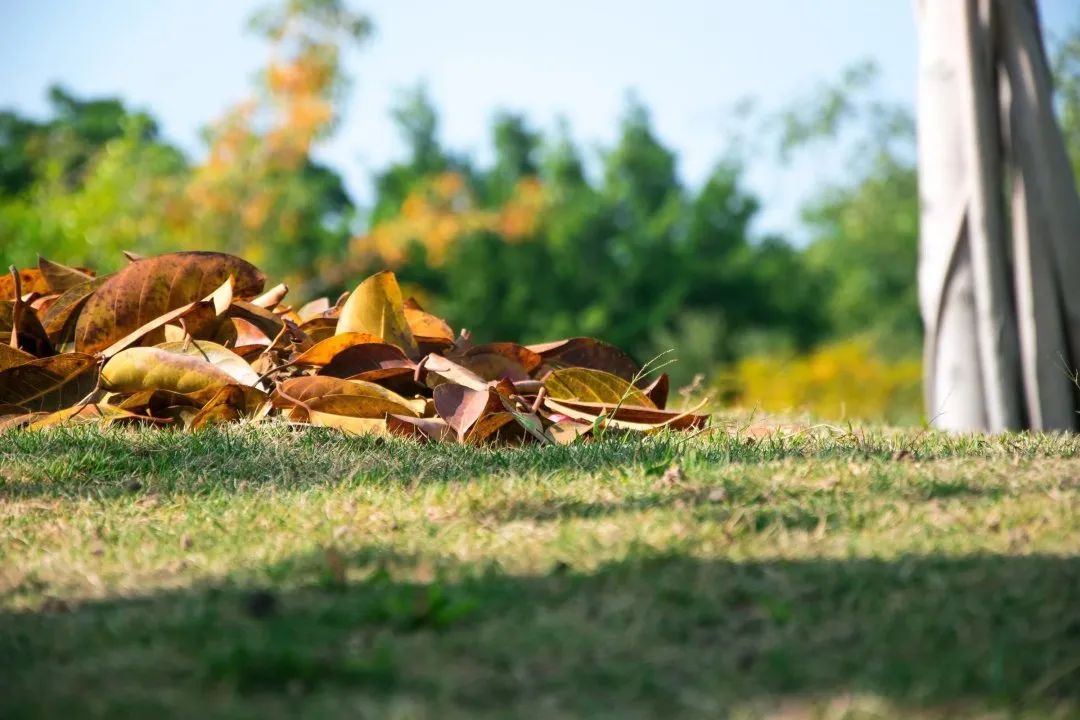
(191, 339)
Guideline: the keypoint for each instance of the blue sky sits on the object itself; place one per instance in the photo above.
(691, 61)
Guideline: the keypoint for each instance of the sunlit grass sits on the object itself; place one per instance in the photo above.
(265, 571)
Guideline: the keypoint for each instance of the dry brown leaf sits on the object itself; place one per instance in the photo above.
(424, 428)
(316, 308)
(265, 321)
(462, 407)
(78, 414)
(30, 280)
(10, 422)
(361, 406)
(519, 354)
(588, 353)
(62, 315)
(10, 357)
(489, 425)
(271, 297)
(658, 390)
(348, 424)
(198, 317)
(373, 359)
(61, 278)
(25, 328)
(321, 328)
(211, 415)
(627, 417)
(322, 352)
(299, 392)
(49, 384)
(567, 430)
(145, 290)
(491, 367)
(440, 370)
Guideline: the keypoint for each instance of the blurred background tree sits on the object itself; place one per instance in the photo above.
(544, 240)
(96, 178)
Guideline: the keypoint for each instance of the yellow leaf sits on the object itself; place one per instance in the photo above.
(217, 355)
(82, 414)
(351, 425)
(148, 368)
(594, 386)
(424, 324)
(376, 308)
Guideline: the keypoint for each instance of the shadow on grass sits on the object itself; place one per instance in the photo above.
(96, 463)
(650, 636)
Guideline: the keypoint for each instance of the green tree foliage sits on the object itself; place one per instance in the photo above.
(83, 184)
(1066, 67)
(863, 247)
(866, 247)
(634, 256)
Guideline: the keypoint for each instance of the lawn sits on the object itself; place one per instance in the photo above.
(273, 572)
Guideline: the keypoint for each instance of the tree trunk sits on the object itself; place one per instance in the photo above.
(1002, 329)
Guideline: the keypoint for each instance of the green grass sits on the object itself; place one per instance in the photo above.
(269, 572)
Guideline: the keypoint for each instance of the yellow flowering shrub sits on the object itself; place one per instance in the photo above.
(841, 380)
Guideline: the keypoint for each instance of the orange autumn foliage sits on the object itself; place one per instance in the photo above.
(442, 209)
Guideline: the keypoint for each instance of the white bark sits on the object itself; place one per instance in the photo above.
(1001, 328)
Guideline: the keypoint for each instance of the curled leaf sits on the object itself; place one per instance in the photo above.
(658, 390)
(440, 370)
(198, 316)
(267, 322)
(627, 417)
(315, 308)
(271, 297)
(61, 316)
